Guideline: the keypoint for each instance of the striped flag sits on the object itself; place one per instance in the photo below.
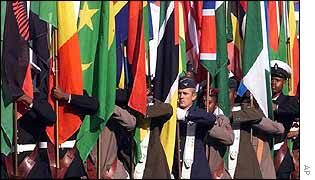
(237, 14)
(167, 74)
(208, 47)
(69, 69)
(192, 30)
(121, 10)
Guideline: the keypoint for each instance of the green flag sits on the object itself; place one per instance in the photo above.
(46, 10)
(6, 107)
(98, 56)
(222, 77)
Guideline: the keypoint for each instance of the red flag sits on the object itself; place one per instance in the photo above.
(136, 57)
(69, 69)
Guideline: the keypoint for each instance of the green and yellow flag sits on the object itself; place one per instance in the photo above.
(96, 28)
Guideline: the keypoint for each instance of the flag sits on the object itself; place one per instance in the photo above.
(16, 73)
(235, 47)
(153, 43)
(69, 71)
(294, 60)
(192, 30)
(136, 57)
(208, 54)
(6, 106)
(39, 47)
(222, 77)
(98, 57)
(256, 66)
(278, 45)
(167, 74)
(46, 10)
(180, 23)
(121, 9)
(273, 27)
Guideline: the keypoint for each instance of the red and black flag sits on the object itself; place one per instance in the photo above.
(16, 68)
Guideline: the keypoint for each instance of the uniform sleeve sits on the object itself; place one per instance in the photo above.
(124, 118)
(42, 109)
(289, 108)
(198, 115)
(270, 127)
(159, 113)
(85, 104)
(222, 131)
(249, 115)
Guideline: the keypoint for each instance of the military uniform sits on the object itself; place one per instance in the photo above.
(243, 163)
(286, 112)
(288, 109)
(202, 121)
(158, 113)
(31, 133)
(115, 141)
(83, 105)
(220, 136)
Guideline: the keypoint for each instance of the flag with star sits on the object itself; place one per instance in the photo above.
(98, 57)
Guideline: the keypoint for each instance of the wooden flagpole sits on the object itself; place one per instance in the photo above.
(15, 156)
(55, 61)
(207, 93)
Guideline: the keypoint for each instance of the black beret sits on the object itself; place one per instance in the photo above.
(186, 82)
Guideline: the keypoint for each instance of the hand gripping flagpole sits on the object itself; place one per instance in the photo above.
(55, 61)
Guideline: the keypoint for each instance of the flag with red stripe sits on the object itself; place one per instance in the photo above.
(208, 37)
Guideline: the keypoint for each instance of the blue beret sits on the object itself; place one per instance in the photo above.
(186, 82)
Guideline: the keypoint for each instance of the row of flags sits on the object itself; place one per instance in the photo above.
(115, 44)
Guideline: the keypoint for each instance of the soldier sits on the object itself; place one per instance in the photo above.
(115, 143)
(82, 105)
(153, 154)
(286, 109)
(220, 136)
(194, 124)
(32, 151)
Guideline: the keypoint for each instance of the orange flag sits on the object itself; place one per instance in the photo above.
(69, 71)
(136, 57)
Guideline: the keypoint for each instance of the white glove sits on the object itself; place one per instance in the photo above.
(181, 114)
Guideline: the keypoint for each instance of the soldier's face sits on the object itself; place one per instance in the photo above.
(186, 97)
(212, 101)
(277, 84)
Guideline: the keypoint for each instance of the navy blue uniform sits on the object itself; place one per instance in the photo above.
(288, 110)
(204, 121)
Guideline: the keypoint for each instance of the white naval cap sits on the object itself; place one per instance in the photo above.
(280, 69)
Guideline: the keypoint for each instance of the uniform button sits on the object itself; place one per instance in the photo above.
(180, 160)
(233, 155)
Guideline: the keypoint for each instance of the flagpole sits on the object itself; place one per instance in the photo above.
(98, 168)
(15, 156)
(208, 89)
(289, 61)
(178, 151)
(55, 61)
